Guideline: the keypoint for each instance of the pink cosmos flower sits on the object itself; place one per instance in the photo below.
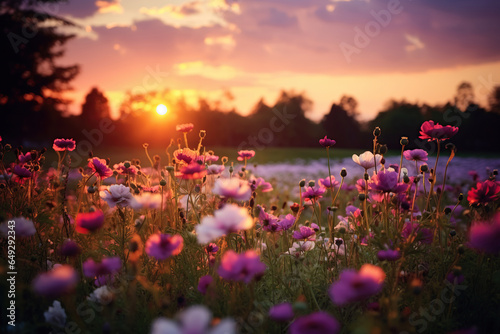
(24, 158)
(287, 221)
(355, 286)
(60, 280)
(21, 172)
(241, 267)
(415, 155)
(163, 246)
(64, 144)
(231, 218)
(387, 181)
(328, 182)
(260, 183)
(215, 169)
(313, 193)
(245, 155)
(232, 188)
(211, 248)
(431, 131)
(107, 266)
(484, 193)
(484, 236)
(89, 222)
(388, 255)
(268, 221)
(304, 232)
(99, 167)
(366, 160)
(69, 248)
(121, 169)
(23, 227)
(315, 323)
(192, 171)
(208, 157)
(185, 155)
(203, 283)
(281, 312)
(326, 142)
(188, 127)
(423, 234)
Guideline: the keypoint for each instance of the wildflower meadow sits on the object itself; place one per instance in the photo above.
(190, 242)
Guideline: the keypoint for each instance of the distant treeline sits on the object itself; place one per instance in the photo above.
(284, 123)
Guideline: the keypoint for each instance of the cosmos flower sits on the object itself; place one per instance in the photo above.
(23, 227)
(208, 157)
(415, 155)
(231, 218)
(245, 155)
(122, 168)
(286, 221)
(304, 232)
(55, 315)
(424, 234)
(234, 188)
(215, 169)
(192, 171)
(69, 248)
(64, 144)
(484, 236)
(299, 248)
(268, 221)
(431, 131)
(185, 155)
(163, 246)
(313, 193)
(315, 323)
(118, 195)
(328, 182)
(387, 181)
(147, 201)
(194, 320)
(24, 158)
(188, 127)
(355, 286)
(326, 142)
(281, 312)
(107, 266)
(101, 295)
(99, 167)
(484, 193)
(366, 159)
(260, 183)
(241, 267)
(211, 248)
(21, 172)
(60, 280)
(388, 255)
(89, 222)
(203, 283)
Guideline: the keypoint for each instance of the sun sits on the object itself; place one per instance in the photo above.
(161, 109)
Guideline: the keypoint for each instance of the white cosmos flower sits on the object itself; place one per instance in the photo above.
(232, 188)
(118, 195)
(366, 159)
(55, 316)
(101, 295)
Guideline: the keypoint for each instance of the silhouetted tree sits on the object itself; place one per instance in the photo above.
(341, 124)
(494, 100)
(95, 107)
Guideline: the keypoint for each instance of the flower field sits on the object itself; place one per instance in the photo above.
(190, 242)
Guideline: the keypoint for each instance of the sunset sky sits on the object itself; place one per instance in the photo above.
(373, 50)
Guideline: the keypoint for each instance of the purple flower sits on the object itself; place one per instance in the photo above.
(485, 236)
(192, 171)
(315, 323)
(107, 266)
(328, 182)
(204, 282)
(99, 167)
(455, 278)
(185, 155)
(262, 184)
(234, 188)
(431, 131)
(326, 142)
(89, 222)
(354, 286)
(163, 246)
(313, 193)
(120, 196)
(69, 248)
(424, 234)
(388, 255)
(23, 227)
(60, 280)
(21, 172)
(241, 267)
(352, 210)
(268, 221)
(287, 221)
(123, 170)
(303, 233)
(415, 155)
(245, 155)
(281, 312)
(64, 144)
(387, 181)
(24, 158)
(211, 248)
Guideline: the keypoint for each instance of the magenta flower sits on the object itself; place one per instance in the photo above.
(484, 193)
(328, 182)
(203, 283)
(60, 280)
(211, 248)
(281, 312)
(268, 221)
(355, 286)
(313, 193)
(303, 233)
(485, 236)
(215, 169)
(388, 255)
(455, 278)
(415, 155)
(325, 142)
(89, 222)
(69, 248)
(234, 188)
(185, 155)
(245, 155)
(431, 131)
(241, 267)
(163, 246)
(107, 266)
(260, 183)
(192, 171)
(24, 158)
(315, 323)
(121, 169)
(64, 145)
(387, 181)
(21, 172)
(287, 221)
(424, 235)
(184, 127)
(99, 167)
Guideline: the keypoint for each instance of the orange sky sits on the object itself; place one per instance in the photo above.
(373, 50)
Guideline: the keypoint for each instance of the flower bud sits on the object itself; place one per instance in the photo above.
(343, 172)
(404, 141)
(311, 183)
(424, 168)
(382, 149)
(406, 179)
(203, 133)
(243, 169)
(163, 182)
(302, 183)
(362, 197)
(169, 169)
(447, 211)
(90, 189)
(376, 132)
(8, 147)
(453, 233)
(366, 176)
(342, 230)
(339, 242)
(460, 197)
(231, 169)
(126, 164)
(461, 249)
(382, 161)
(495, 172)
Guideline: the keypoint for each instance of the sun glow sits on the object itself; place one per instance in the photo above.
(161, 109)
